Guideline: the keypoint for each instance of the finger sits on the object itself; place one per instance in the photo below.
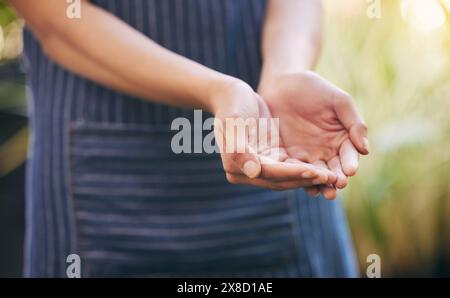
(272, 154)
(283, 185)
(312, 191)
(242, 163)
(335, 165)
(248, 163)
(352, 121)
(278, 171)
(329, 178)
(328, 191)
(236, 152)
(349, 158)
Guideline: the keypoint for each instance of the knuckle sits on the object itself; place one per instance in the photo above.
(342, 96)
(364, 127)
(343, 183)
(227, 167)
(232, 179)
(235, 157)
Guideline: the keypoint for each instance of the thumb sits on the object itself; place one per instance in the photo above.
(246, 160)
(248, 163)
(352, 121)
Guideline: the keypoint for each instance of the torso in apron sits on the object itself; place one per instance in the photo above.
(104, 183)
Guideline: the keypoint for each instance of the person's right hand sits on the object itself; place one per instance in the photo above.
(257, 156)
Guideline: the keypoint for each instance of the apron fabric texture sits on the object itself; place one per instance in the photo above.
(103, 182)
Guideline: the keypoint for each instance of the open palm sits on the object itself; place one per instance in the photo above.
(318, 123)
(258, 156)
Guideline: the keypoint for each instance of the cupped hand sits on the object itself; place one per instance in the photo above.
(319, 124)
(256, 155)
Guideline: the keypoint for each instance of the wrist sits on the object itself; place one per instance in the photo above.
(270, 79)
(220, 93)
(271, 72)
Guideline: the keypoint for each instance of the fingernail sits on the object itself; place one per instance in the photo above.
(366, 144)
(317, 181)
(308, 174)
(251, 169)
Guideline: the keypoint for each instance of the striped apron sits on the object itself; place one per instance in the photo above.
(103, 182)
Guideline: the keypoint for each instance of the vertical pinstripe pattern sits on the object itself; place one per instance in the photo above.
(102, 181)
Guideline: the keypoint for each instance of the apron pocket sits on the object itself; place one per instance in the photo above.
(142, 210)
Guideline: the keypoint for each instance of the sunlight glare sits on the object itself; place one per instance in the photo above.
(423, 15)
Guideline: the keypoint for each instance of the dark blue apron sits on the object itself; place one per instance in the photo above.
(103, 182)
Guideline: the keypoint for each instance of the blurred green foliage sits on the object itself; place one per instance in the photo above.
(12, 93)
(399, 202)
(6, 14)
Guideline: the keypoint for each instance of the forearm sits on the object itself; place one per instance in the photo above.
(291, 37)
(101, 47)
(64, 54)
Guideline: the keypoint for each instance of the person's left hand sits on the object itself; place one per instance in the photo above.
(319, 124)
